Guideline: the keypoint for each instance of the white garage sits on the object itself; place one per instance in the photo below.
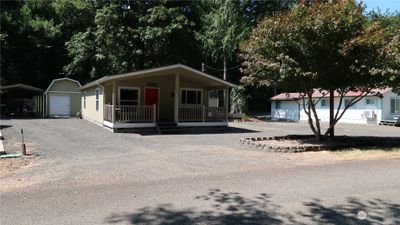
(63, 98)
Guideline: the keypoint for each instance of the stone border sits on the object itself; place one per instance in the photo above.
(253, 143)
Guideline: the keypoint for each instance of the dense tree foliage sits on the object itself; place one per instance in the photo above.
(84, 39)
(322, 46)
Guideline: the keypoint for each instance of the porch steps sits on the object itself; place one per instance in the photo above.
(168, 128)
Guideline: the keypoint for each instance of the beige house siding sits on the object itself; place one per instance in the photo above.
(65, 88)
(90, 111)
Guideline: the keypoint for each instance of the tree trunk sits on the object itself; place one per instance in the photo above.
(331, 113)
(311, 111)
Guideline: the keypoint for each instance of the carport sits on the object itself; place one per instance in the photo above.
(22, 100)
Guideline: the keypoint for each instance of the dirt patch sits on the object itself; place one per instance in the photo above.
(10, 166)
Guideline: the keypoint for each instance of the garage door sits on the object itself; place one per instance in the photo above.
(59, 105)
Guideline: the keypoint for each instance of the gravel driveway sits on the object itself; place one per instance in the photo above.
(78, 151)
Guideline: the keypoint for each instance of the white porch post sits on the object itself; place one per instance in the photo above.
(226, 104)
(114, 100)
(177, 93)
(43, 105)
(154, 114)
(204, 113)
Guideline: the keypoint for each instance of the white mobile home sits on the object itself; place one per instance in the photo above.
(370, 110)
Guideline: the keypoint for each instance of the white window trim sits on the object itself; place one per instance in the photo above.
(128, 88)
(191, 89)
(84, 99)
(97, 90)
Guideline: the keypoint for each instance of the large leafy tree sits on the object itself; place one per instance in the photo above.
(33, 36)
(130, 37)
(322, 46)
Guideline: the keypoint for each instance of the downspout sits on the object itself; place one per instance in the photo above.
(299, 109)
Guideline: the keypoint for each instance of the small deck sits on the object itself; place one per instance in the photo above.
(123, 116)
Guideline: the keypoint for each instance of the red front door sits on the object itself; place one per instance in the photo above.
(152, 96)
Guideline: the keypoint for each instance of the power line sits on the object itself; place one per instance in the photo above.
(212, 68)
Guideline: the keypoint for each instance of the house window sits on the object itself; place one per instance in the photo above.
(191, 96)
(84, 100)
(394, 106)
(97, 99)
(129, 96)
(370, 101)
(277, 104)
(324, 103)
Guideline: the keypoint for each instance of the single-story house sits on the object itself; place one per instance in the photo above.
(176, 94)
(370, 110)
(62, 98)
(21, 99)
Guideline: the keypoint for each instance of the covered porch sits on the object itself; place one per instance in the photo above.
(180, 96)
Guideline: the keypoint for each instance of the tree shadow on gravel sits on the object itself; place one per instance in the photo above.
(352, 212)
(233, 209)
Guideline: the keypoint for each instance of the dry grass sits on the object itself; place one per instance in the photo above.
(366, 153)
(12, 165)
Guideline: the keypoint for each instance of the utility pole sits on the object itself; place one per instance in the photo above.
(224, 68)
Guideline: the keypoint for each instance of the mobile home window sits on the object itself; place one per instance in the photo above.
(278, 105)
(129, 96)
(347, 102)
(324, 103)
(394, 106)
(97, 99)
(370, 101)
(191, 96)
(84, 100)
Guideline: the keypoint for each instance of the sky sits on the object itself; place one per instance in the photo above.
(383, 5)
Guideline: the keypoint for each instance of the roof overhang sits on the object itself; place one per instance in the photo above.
(22, 86)
(175, 67)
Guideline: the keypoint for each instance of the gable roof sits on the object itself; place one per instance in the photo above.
(318, 94)
(22, 86)
(59, 79)
(158, 69)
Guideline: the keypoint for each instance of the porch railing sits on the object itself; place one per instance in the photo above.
(130, 113)
(201, 114)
